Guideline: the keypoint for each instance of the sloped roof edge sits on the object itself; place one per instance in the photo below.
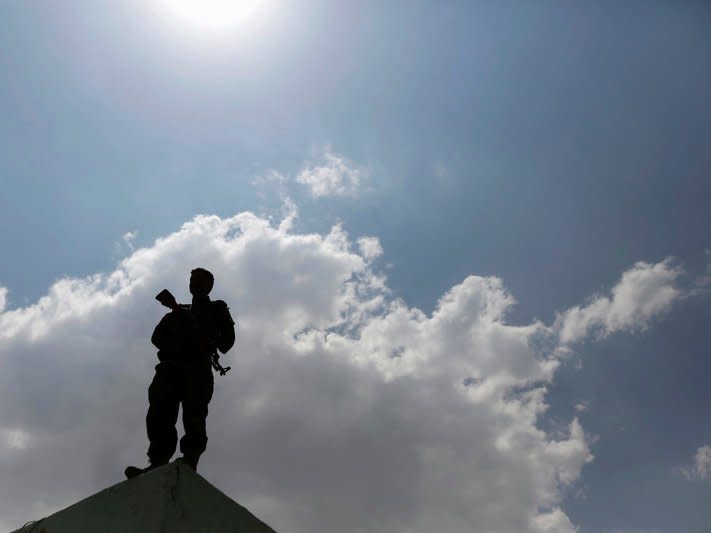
(171, 498)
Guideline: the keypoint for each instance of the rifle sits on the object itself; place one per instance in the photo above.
(168, 300)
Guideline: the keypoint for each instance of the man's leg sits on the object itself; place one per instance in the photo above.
(198, 392)
(164, 399)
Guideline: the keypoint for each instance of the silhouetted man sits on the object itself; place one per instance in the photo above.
(187, 338)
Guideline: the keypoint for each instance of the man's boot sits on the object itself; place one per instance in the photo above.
(134, 471)
(189, 461)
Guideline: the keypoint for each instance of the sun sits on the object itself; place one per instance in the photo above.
(213, 14)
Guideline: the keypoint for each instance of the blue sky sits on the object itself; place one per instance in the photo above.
(552, 145)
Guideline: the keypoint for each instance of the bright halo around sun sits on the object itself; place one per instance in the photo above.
(214, 14)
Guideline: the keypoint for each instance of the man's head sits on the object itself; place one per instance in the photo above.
(201, 281)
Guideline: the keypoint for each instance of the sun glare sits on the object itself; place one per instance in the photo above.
(213, 14)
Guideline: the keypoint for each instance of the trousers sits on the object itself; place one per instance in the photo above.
(173, 385)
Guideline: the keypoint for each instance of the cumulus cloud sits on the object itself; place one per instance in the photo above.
(370, 248)
(645, 292)
(3, 298)
(346, 410)
(700, 469)
(333, 176)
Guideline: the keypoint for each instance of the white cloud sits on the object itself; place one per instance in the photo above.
(335, 176)
(3, 298)
(370, 248)
(553, 521)
(701, 467)
(581, 407)
(345, 410)
(16, 439)
(125, 245)
(128, 238)
(645, 292)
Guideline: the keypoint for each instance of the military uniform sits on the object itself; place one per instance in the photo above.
(186, 338)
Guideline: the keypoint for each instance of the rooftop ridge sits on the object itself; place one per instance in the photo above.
(172, 498)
